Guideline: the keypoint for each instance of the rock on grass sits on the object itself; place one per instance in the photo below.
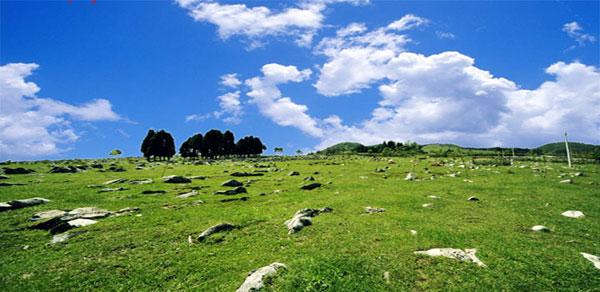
(255, 280)
(303, 218)
(215, 229)
(467, 255)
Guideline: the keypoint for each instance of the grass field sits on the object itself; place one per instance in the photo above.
(345, 250)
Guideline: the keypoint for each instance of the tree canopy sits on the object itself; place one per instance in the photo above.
(158, 145)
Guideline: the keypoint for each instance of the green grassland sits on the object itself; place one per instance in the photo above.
(346, 250)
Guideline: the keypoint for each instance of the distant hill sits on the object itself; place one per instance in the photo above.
(554, 149)
(558, 149)
(344, 148)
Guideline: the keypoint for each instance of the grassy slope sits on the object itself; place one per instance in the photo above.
(344, 250)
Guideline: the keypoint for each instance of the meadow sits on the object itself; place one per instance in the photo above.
(343, 250)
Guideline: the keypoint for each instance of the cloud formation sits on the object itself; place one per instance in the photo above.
(31, 126)
(271, 103)
(575, 31)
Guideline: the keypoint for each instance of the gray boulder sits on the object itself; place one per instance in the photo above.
(215, 229)
(310, 186)
(176, 179)
(232, 183)
(234, 191)
(256, 279)
(18, 204)
(303, 218)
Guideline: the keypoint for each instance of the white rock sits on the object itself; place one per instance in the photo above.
(188, 195)
(254, 281)
(566, 181)
(81, 222)
(47, 215)
(433, 197)
(59, 238)
(468, 255)
(573, 214)
(410, 176)
(428, 205)
(413, 232)
(592, 258)
(372, 210)
(540, 228)
(303, 218)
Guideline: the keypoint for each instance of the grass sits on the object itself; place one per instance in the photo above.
(345, 250)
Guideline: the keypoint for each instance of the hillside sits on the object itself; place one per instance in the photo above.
(345, 147)
(558, 149)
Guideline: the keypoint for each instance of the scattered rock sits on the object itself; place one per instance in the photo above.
(115, 168)
(293, 173)
(238, 174)
(151, 192)
(200, 177)
(115, 181)
(380, 170)
(232, 183)
(108, 190)
(304, 218)
(427, 205)
(413, 232)
(573, 214)
(234, 199)
(310, 186)
(8, 184)
(410, 176)
(540, 228)
(18, 204)
(372, 210)
(566, 181)
(176, 179)
(309, 178)
(592, 258)
(474, 199)
(17, 170)
(468, 255)
(126, 211)
(215, 229)
(433, 197)
(64, 169)
(255, 279)
(47, 215)
(86, 213)
(61, 238)
(188, 195)
(235, 191)
(141, 181)
(3, 176)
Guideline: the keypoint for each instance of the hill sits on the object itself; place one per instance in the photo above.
(558, 149)
(345, 147)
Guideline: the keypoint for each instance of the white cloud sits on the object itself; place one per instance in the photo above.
(230, 80)
(231, 107)
(255, 23)
(445, 35)
(197, 117)
(272, 104)
(575, 31)
(407, 22)
(32, 126)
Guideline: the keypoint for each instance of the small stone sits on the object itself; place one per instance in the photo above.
(566, 181)
(215, 229)
(200, 177)
(293, 173)
(18, 204)
(18, 170)
(592, 258)
(47, 215)
(462, 255)
(386, 277)
(108, 190)
(255, 279)
(473, 199)
(573, 214)
(310, 186)
(234, 191)
(176, 179)
(232, 183)
(188, 195)
(141, 181)
(304, 218)
(540, 228)
(309, 178)
(410, 176)
(115, 181)
(413, 232)
(247, 174)
(150, 192)
(61, 238)
(427, 205)
(372, 210)
(433, 197)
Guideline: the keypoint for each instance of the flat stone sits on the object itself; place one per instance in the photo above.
(47, 215)
(18, 204)
(150, 192)
(592, 258)
(115, 181)
(540, 228)
(566, 181)
(87, 213)
(8, 184)
(62, 238)
(238, 174)
(141, 181)
(311, 186)
(234, 191)
(176, 179)
(17, 170)
(467, 255)
(200, 177)
(255, 279)
(3, 176)
(303, 218)
(433, 197)
(108, 190)
(427, 205)
(81, 222)
(232, 183)
(215, 229)
(410, 176)
(64, 169)
(188, 195)
(573, 214)
(473, 199)
(372, 210)
(243, 199)
(309, 178)
(413, 232)
(293, 173)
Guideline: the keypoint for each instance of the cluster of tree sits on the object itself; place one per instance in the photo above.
(388, 148)
(217, 144)
(158, 145)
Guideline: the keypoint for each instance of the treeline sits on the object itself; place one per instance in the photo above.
(387, 148)
(161, 145)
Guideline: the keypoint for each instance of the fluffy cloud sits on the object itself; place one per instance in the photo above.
(407, 22)
(574, 31)
(272, 104)
(256, 23)
(231, 107)
(230, 80)
(32, 126)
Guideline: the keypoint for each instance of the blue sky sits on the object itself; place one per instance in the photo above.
(80, 79)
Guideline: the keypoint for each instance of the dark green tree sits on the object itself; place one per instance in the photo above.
(146, 144)
(213, 144)
(228, 143)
